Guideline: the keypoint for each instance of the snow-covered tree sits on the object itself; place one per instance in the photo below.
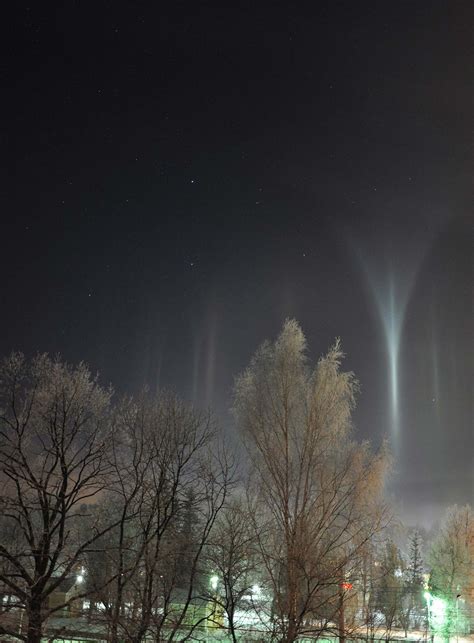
(414, 581)
(318, 491)
(171, 480)
(54, 437)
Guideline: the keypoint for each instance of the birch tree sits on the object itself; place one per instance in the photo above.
(319, 491)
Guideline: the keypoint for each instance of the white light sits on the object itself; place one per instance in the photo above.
(256, 590)
(214, 581)
(80, 578)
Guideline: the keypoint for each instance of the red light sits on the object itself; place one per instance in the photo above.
(346, 585)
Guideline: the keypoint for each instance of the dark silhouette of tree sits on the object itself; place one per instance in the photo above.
(54, 437)
(390, 591)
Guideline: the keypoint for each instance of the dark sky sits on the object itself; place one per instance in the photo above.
(180, 177)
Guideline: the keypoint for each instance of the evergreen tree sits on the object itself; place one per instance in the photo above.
(414, 580)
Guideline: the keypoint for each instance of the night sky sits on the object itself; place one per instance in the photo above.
(181, 177)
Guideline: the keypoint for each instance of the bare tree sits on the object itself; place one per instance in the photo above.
(319, 491)
(233, 562)
(53, 442)
(171, 480)
(451, 559)
(117, 557)
(391, 588)
(370, 574)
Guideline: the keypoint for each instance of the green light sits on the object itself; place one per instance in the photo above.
(438, 612)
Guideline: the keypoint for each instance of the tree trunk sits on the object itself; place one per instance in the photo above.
(113, 631)
(292, 633)
(342, 624)
(35, 622)
(230, 616)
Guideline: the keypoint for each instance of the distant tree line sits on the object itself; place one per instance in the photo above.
(139, 502)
